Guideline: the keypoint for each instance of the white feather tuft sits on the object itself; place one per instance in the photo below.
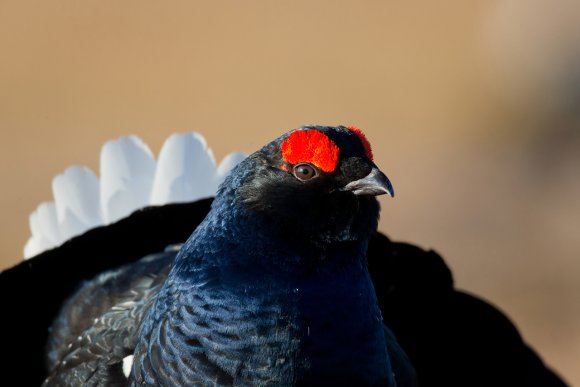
(127, 169)
(186, 170)
(44, 223)
(34, 246)
(127, 365)
(76, 197)
(130, 179)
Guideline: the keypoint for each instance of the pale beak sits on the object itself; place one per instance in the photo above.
(375, 183)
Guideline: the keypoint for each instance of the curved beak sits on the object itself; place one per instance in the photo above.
(375, 183)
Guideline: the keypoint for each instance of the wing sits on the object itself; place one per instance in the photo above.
(97, 327)
(452, 338)
(32, 292)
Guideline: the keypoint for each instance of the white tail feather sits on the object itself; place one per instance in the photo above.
(130, 179)
(43, 222)
(76, 196)
(186, 170)
(127, 169)
(35, 245)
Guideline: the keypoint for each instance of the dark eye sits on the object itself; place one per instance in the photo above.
(304, 172)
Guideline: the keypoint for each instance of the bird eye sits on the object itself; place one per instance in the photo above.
(304, 172)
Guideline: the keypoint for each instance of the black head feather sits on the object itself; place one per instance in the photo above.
(316, 211)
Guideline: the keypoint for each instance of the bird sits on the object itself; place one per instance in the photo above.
(439, 335)
(272, 287)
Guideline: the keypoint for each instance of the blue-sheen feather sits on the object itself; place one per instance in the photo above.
(240, 307)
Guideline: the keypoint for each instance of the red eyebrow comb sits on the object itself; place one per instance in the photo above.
(311, 146)
(366, 144)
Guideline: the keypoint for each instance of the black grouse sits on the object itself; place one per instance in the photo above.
(271, 288)
(452, 338)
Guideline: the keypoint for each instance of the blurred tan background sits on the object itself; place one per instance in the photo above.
(473, 109)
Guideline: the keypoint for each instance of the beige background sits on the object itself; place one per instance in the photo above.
(471, 106)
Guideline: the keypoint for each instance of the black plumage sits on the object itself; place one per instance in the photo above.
(436, 343)
(440, 328)
(452, 338)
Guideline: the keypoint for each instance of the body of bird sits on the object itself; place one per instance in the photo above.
(271, 288)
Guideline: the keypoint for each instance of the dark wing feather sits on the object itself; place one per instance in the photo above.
(32, 292)
(98, 326)
(219, 333)
(452, 338)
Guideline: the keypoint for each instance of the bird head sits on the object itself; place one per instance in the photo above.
(315, 184)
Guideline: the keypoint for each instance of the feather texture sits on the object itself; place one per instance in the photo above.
(44, 228)
(76, 196)
(127, 169)
(186, 170)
